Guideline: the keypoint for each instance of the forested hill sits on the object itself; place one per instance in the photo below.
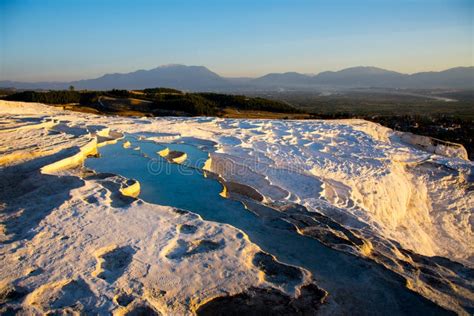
(154, 101)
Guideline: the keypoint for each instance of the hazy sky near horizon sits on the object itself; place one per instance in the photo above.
(69, 40)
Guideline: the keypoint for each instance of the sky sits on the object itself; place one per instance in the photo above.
(59, 40)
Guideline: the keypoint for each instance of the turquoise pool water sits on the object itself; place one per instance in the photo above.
(368, 286)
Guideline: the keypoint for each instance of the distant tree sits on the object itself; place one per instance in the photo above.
(161, 90)
(119, 93)
(51, 97)
(71, 88)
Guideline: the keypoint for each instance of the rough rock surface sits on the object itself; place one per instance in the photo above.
(72, 241)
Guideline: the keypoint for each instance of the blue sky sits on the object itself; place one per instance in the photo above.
(72, 39)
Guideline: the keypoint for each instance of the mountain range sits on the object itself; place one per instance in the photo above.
(200, 78)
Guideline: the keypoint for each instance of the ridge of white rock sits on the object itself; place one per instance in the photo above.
(400, 191)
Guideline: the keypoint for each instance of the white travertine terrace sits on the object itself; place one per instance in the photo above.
(404, 189)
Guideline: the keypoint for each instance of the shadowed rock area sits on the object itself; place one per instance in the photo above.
(112, 262)
(276, 272)
(256, 301)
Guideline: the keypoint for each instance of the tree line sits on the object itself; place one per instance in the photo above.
(208, 104)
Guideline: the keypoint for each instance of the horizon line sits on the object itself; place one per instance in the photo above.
(236, 77)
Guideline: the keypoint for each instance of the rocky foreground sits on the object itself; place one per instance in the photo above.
(73, 240)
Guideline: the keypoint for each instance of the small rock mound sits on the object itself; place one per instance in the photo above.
(62, 297)
(138, 308)
(275, 271)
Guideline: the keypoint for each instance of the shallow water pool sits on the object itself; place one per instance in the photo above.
(353, 283)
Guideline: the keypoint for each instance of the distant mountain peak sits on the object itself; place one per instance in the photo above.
(200, 78)
(367, 70)
(180, 66)
(171, 66)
